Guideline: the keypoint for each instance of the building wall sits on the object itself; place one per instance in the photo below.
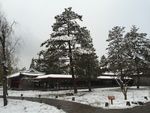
(145, 81)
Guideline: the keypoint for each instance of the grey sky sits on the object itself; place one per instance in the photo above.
(35, 18)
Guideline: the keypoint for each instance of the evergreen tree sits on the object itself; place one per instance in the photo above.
(136, 48)
(103, 64)
(58, 46)
(128, 54)
(117, 58)
(50, 61)
(86, 63)
(32, 65)
(63, 45)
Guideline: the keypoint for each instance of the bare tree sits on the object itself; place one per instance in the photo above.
(6, 49)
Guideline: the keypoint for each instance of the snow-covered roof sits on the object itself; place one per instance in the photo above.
(14, 75)
(112, 77)
(54, 76)
(33, 71)
(108, 73)
(107, 77)
(30, 72)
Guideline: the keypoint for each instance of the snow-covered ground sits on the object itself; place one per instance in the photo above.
(23, 106)
(98, 97)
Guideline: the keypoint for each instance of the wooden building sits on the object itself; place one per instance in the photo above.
(23, 79)
(33, 79)
(53, 82)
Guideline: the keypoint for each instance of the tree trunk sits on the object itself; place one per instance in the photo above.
(72, 70)
(138, 79)
(4, 73)
(71, 62)
(124, 91)
(138, 74)
(138, 82)
(122, 86)
(4, 86)
(89, 85)
(125, 95)
(89, 80)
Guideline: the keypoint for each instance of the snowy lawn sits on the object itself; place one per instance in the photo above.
(23, 106)
(98, 97)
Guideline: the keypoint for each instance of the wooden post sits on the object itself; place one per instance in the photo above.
(111, 98)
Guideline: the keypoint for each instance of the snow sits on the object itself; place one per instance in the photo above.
(54, 76)
(24, 73)
(30, 72)
(63, 38)
(108, 73)
(23, 106)
(107, 77)
(14, 75)
(84, 51)
(98, 97)
(112, 77)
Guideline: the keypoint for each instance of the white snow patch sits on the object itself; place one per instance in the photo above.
(108, 73)
(62, 38)
(84, 51)
(98, 97)
(107, 77)
(23, 106)
(14, 75)
(112, 77)
(32, 74)
(54, 76)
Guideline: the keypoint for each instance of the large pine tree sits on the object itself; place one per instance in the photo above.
(116, 57)
(63, 49)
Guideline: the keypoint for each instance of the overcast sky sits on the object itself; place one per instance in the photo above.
(35, 17)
